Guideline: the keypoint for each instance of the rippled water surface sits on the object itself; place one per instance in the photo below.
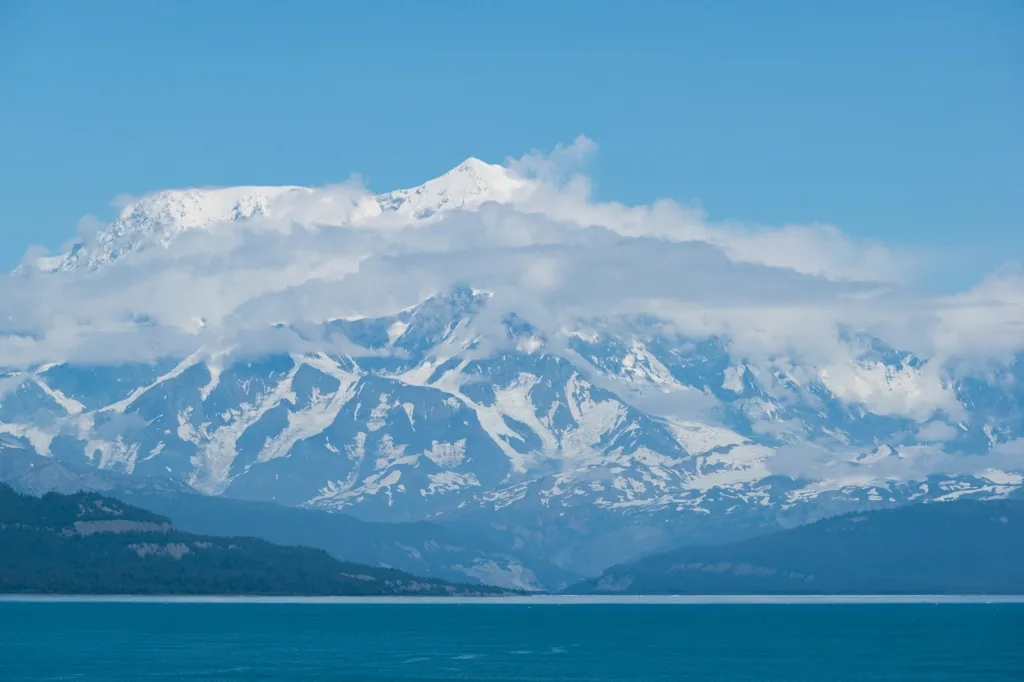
(721, 642)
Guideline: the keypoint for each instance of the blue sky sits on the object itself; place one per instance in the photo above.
(895, 121)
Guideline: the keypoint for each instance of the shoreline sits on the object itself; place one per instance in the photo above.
(539, 600)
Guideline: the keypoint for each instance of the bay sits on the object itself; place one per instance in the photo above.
(592, 642)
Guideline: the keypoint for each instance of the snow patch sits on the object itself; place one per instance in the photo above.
(733, 379)
(447, 455)
(321, 412)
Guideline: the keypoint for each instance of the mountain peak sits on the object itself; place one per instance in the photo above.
(490, 173)
(199, 207)
(474, 163)
(155, 219)
(467, 186)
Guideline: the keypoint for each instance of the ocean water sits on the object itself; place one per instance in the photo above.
(592, 642)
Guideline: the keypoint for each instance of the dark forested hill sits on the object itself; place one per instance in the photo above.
(90, 544)
(962, 547)
(465, 554)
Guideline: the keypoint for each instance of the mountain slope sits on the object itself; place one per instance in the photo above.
(579, 436)
(559, 442)
(90, 544)
(421, 548)
(157, 219)
(962, 547)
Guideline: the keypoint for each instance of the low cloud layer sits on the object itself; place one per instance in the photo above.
(546, 250)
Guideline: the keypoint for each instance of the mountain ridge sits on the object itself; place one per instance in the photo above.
(157, 218)
(572, 434)
(86, 543)
(963, 547)
(520, 437)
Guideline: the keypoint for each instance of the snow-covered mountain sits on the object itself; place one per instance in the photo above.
(437, 431)
(587, 443)
(156, 219)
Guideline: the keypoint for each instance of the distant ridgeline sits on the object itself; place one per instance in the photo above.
(542, 438)
(90, 544)
(962, 547)
(86, 543)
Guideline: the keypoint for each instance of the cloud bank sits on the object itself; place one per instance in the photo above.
(529, 232)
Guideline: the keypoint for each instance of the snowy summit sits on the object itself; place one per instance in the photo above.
(155, 219)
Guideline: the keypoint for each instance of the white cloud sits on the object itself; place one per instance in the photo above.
(840, 466)
(85, 229)
(987, 320)
(936, 432)
(556, 165)
(820, 250)
(10, 383)
(122, 201)
(897, 391)
(548, 252)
